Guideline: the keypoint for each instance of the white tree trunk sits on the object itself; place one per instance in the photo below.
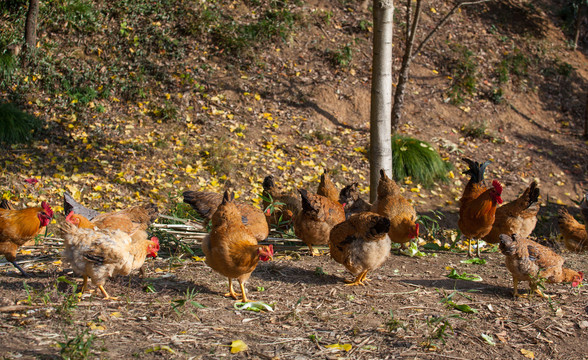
(381, 102)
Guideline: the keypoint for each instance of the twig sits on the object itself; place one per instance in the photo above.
(531, 323)
(11, 308)
(442, 22)
(360, 345)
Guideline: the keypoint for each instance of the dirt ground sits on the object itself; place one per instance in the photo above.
(400, 314)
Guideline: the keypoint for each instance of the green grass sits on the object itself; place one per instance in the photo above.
(464, 73)
(16, 125)
(417, 159)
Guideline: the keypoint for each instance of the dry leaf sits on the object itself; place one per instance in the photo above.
(238, 346)
(528, 354)
(345, 347)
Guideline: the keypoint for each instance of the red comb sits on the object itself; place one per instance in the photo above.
(31, 181)
(497, 186)
(68, 217)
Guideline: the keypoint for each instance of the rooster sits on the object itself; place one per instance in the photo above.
(205, 203)
(478, 204)
(529, 261)
(19, 226)
(316, 219)
(361, 244)
(102, 253)
(230, 248)
(517, 217)
(402, 215)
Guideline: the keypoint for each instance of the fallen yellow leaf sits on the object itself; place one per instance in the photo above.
(238, 346)
(528, 354)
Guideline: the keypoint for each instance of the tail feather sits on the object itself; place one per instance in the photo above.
(69, 205)
(4, 204)
(533, 194)
(205, 203)
(476, 170)
(268, 182)
(306, 203)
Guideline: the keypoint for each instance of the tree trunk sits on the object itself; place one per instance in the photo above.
(586, 119)
(31, 27)
(380, 140)
(406, 60)
(578, 24)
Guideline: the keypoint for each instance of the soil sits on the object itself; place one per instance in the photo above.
(321, 115)
(400, 314)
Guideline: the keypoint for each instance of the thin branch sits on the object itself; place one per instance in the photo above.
(443, 21)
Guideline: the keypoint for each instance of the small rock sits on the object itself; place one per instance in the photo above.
(583, 324)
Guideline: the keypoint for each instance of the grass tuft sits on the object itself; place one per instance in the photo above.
(417, 159)
(16, 126)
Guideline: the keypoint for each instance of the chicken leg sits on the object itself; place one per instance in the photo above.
(20, 269)
(232, 292)
(244, 297)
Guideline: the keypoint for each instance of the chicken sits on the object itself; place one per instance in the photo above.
(478, 204)
(102, 253)
(402, 215)
(316, 219)
(19, 226)
(279, 206)
(206, 203)
(574, 234)
(352, 202)
(517, 217)
(327, 188)
(129, 220)
(529, 261)
(230, 248)
(361, 244)
(70, 204)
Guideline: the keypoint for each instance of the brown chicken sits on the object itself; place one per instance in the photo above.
(529, 261)
(361, 244)
(230, 248)
(574, 234)
(327, 188)
(318, 216)
(205, 203)
(478, 205)
(101, 253)
(517, 217)
(402, 215)
(351, 200)
(19, 226)
(279, 206)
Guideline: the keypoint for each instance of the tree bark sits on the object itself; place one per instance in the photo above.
(586, 119)
(31, 26)
(406, 60)
(381, 97)
(578, 24)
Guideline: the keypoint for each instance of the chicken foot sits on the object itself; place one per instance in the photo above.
(106, 296)
(359, 280)
(244, 297)
(232, 292)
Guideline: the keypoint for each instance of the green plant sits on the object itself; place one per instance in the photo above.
(34, 295)
(8, 66)
(70, 300)
(448, 300)
(188, 299)
(341, 57)
(431, 223)
(78, 347)
(479, 130)
(16, 125)
(418, 160)
(464, 73)
(438, 326)
(394, 324)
